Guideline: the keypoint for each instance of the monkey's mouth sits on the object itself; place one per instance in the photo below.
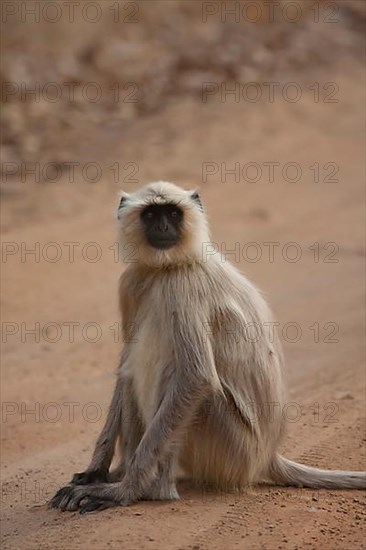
(162, 244)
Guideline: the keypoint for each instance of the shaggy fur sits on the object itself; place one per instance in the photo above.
(197, 387)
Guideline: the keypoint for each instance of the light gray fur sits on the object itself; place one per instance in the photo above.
(193, 389)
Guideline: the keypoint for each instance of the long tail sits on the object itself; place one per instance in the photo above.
(286, 472)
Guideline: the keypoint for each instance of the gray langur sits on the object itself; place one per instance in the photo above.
(192, 392)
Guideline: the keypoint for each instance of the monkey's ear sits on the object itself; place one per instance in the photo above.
(197, 199)
(123, 199)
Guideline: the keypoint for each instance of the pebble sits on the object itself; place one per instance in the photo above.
(343, 395)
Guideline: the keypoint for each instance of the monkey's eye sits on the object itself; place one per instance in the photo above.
(175, 214)
(149, 215)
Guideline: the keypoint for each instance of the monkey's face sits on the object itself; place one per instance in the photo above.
(162, 224)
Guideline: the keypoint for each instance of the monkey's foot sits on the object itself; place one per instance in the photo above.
(86, 498)
(68, 498)
(162, 493)
(95, 504)
(89, 477)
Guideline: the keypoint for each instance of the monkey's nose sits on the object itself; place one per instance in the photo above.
(163, 226)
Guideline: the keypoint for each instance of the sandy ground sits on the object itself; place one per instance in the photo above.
(55, 394)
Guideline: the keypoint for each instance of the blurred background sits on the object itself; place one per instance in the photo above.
(260, 104)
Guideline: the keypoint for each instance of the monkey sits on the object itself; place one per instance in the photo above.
(190, 394)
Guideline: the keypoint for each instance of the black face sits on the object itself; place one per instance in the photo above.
(162, 224)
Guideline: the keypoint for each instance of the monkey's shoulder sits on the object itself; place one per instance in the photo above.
(211, 283)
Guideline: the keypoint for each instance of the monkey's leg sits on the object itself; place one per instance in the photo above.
(124, 421)
(163, 487)
(218, 448)
(186, 382)
(97, 471)
(166, 430)
(131, 428)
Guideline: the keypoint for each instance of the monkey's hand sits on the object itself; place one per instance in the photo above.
(90, 476)
(88, 498)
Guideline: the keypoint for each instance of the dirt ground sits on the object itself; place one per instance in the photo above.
(56, 385)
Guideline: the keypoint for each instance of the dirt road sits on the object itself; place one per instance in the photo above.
(55, 394)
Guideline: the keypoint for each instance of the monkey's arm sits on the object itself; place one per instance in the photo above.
(188, 380)
(185, 384)
(98, 468)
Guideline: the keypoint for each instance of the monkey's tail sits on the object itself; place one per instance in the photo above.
(286, 472)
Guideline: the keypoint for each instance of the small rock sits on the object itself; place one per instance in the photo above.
(343, 395)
